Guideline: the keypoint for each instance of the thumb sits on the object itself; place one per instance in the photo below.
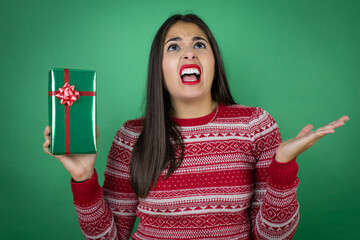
(305, 130)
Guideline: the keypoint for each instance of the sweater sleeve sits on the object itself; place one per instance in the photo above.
(274, 211)
(108, 212)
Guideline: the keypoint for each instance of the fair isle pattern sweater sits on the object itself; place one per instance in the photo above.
(228, 186)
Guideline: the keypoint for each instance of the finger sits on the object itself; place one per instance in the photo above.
(321, 133)
(47, 139)
(327, 128)
(340, 122)
(315, 136)
(46, 147)
(46, 132)
(335, 124)
(305, 130)
(330, 128)
(47, 142)
(46, 136)
(344, 118)
(310, 138)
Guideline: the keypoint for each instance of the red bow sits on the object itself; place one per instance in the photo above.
(67, 94)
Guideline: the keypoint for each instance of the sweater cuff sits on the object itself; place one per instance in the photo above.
(86, 193)
(283, 175)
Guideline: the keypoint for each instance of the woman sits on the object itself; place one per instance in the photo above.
(197, 166)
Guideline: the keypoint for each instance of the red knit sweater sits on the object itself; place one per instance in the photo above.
(228, 186)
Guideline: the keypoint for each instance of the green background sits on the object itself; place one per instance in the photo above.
(299, 60)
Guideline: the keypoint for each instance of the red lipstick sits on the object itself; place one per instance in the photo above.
(191, 82)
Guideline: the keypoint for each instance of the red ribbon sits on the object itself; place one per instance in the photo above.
(68, 96)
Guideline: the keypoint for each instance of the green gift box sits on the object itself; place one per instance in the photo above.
(72, 111)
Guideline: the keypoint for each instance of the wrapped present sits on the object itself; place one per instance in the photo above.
(72, 111)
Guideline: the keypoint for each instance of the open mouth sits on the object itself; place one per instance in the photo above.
(190, 74)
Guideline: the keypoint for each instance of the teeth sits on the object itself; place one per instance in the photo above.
(190, 71)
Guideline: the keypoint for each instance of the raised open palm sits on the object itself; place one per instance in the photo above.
(293, 147)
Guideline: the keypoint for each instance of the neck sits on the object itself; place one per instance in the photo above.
(192, 109)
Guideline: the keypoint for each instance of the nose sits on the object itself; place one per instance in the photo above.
(189, 54)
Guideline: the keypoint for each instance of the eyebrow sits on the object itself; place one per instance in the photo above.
(180, 39)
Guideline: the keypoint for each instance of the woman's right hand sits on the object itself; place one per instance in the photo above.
(80, 166)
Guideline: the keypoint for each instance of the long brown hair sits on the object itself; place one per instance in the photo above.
(160, 144)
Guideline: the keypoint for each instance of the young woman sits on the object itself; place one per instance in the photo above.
(197, 165)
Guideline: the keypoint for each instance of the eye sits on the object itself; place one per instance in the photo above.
(173, 47)
(199, 45)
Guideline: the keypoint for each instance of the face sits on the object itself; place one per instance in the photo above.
(188, 64)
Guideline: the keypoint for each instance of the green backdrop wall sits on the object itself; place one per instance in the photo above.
(299, 60)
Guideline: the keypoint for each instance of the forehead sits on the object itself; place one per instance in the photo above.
(184, 30)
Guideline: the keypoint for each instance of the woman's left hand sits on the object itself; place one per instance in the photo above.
(291, 148)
